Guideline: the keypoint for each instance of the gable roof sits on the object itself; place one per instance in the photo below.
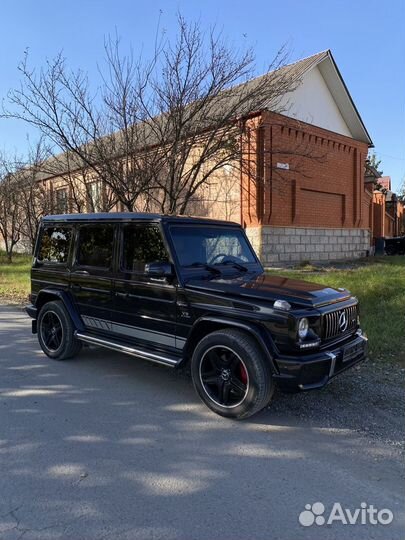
(295, 72)
(344, 101)
(327, 66)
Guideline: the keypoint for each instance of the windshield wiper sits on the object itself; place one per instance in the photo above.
(236, 265)
(206, 266)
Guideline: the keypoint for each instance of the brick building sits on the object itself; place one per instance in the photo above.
(388, 211)
(300, 190)
(313, 202)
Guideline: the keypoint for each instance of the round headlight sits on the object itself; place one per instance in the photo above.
(282, 304)
(303, 327)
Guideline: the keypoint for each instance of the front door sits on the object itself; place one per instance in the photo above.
(91, 276)
(144, 310)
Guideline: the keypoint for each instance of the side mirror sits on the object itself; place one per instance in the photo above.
(159, 270)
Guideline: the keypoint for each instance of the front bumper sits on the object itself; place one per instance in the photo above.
(316, 370)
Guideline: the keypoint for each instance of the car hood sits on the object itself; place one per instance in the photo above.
(265, 287)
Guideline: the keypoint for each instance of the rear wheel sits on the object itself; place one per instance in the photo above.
(231, 374)
(56, 332)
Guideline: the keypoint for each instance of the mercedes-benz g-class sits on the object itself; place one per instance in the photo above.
(191, 292)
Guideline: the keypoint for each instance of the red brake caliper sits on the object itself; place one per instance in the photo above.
(242, 373)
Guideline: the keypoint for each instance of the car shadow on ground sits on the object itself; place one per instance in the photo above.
(110, 446)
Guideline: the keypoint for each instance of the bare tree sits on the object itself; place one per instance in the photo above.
(11, 215)
(34, 200)
(202, 93)
(156, 130)
(401, 194)
(84, 191)
(97, 134)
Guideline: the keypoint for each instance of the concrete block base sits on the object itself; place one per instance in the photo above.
(280, 245)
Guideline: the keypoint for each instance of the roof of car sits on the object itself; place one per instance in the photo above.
(133, 216)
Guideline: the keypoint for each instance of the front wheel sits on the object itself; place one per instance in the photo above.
(56, 332)
(231, 374)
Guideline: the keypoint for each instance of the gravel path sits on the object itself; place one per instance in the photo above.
(369, 399)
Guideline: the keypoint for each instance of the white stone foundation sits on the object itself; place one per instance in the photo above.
(279, 245)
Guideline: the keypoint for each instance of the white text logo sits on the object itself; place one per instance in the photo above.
(367, 514)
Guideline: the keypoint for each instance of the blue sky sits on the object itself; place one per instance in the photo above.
(366, 39)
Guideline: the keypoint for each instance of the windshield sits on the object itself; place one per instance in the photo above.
(206, 245)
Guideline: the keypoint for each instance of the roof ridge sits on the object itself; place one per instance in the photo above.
(286, 66)
(308, 57)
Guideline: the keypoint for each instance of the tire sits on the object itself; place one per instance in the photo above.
(56, 332)
(231, 374)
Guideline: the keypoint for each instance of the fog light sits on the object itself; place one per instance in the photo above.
(310, 344)
(303, 328)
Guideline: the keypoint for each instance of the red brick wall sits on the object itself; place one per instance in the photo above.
(368, 212)
(324, 186)
(251, 163)
(389, 226)
(394, 218)
(401, 218)
(379, 214)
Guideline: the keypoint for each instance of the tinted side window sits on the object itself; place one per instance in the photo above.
(95, 246)
(142, 244)
(55, 245)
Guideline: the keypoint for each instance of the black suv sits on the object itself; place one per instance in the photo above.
(191, 292)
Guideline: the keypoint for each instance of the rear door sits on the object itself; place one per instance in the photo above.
(50, 268)
(144, 308)
(91, 276)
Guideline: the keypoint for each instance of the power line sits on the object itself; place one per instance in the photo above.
(391, 157)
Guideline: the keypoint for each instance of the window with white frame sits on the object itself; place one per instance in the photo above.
(95, 197)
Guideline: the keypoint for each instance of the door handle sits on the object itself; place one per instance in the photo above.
(81, 273)
(122, 294)
(76, 287)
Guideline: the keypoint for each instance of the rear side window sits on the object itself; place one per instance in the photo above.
(142, 244)
(55, 245)
(95, 246)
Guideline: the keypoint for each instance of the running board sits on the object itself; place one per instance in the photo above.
(126, 349)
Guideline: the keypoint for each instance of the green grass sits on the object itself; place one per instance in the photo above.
(379, 284)
(15, 278)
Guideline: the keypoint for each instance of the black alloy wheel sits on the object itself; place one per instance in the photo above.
(224, 376)
(56, 333)
(51, 331)
(231, 373)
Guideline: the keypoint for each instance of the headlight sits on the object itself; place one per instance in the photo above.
(303, 328)
(282, 304)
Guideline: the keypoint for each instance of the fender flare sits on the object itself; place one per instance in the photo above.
(64, 297)
(263, 338)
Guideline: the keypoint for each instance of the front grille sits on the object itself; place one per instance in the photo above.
(333, 322)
